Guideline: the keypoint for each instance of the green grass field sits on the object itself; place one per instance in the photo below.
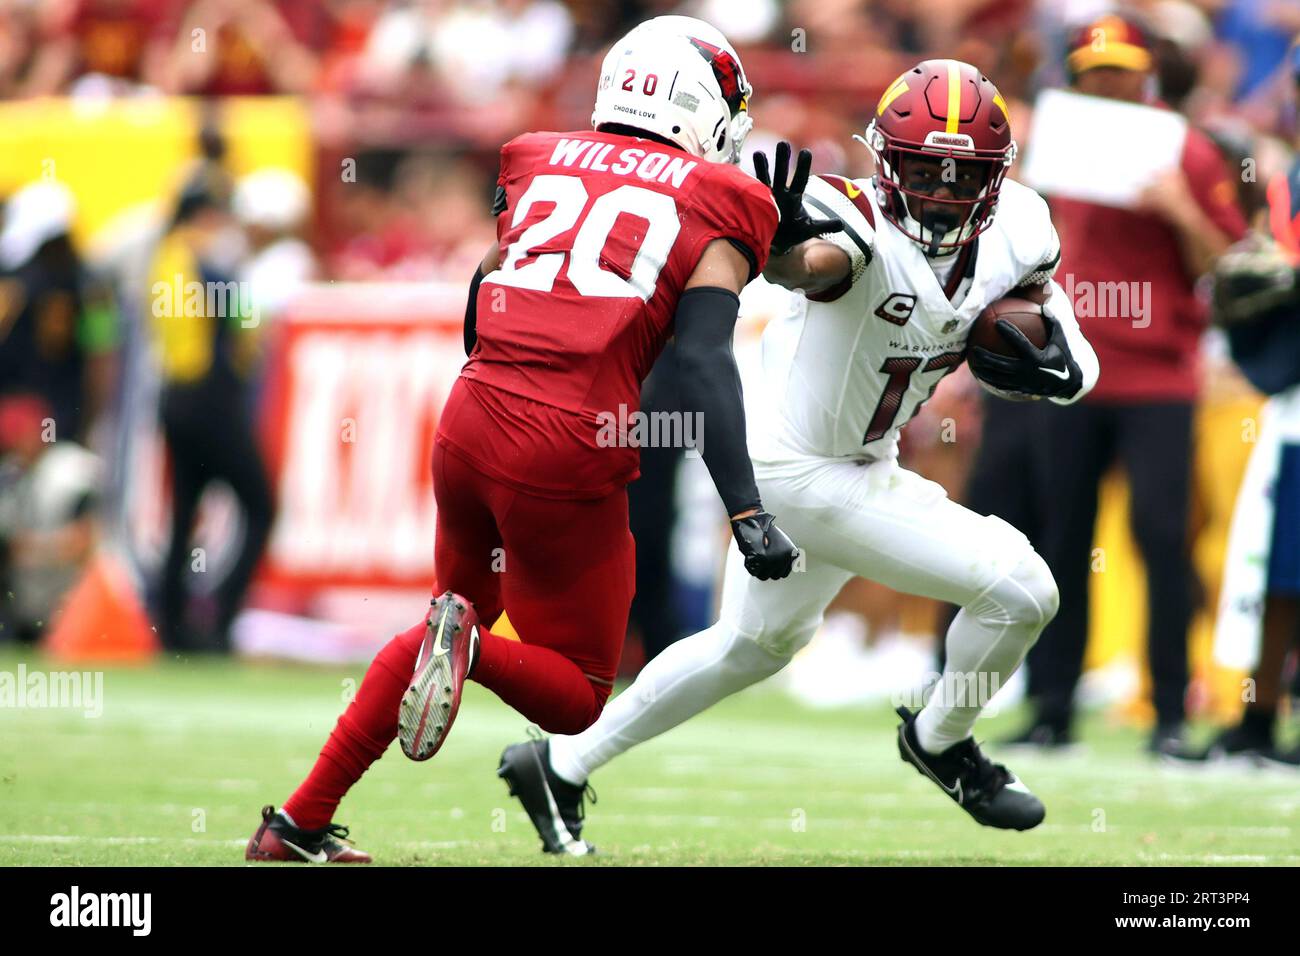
(185, 753)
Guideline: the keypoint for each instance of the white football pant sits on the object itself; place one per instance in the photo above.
(874, 520)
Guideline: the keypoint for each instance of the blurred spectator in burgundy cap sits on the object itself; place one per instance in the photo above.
(1140, 413)
(48, 495)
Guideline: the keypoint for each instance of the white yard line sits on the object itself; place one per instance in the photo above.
(112, 841)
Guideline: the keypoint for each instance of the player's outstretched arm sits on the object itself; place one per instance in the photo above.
(813, 266)
(710, 387)
(799, 260)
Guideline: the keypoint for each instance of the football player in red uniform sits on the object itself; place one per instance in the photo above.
(609, 242)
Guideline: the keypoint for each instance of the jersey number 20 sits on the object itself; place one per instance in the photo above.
(570, 196)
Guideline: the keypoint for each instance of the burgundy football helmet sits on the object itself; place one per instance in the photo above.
(939, 110)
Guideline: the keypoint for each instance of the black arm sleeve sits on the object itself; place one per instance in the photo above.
(710, 387)
(471, 311)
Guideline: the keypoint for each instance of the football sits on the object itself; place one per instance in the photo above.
(1024, 314)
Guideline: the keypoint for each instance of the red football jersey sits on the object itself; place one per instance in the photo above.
(599, 235)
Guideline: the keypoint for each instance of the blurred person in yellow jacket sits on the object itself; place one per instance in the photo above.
(204, 334)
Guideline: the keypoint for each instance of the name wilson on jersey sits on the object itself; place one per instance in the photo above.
(631, 160)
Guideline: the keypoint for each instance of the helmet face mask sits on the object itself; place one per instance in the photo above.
(938, 176)
(702, 105)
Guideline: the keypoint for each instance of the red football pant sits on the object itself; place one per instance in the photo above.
(565, 573)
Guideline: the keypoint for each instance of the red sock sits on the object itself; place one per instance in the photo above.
(542, 684)
(361, 735)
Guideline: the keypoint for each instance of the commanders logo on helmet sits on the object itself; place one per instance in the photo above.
(945, 110)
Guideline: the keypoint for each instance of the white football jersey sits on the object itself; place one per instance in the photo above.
(841, 377)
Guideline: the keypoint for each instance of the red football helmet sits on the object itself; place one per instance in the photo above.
(941, 110)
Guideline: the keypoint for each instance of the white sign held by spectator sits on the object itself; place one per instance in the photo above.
(1099, 150)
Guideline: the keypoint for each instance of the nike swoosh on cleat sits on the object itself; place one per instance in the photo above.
(317, 857)
(1063, 376)
(568, 844)
(438, 649)
(954, 792)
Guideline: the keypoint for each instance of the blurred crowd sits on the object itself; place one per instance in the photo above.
(423, 93)
(413, 100)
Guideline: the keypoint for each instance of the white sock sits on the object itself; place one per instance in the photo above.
(985, 645)
(686, 678)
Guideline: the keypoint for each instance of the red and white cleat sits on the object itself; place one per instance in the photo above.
(448, 652)
(279, 839)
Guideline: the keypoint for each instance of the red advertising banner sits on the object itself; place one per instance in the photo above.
(356, 379)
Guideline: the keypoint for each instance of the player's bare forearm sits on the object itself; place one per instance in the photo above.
(812, 266)
(722, 266)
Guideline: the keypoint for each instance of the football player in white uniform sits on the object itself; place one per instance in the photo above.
(931, 240)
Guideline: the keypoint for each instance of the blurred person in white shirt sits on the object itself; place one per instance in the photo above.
(477, 46)
(272, 205)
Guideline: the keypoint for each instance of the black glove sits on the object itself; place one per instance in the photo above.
(796, 225)
(769, 553)
(1049, 372)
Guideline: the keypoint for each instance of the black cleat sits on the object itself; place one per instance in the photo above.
(988, 791)
(553, 804)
